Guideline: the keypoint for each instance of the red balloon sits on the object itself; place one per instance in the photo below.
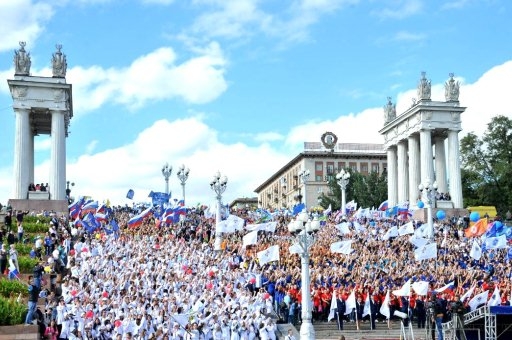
(73, 293)
(211, 273)
(209, 285)
(72, 252)
(252, 280)
(117, 323)
(85, 250)
(89, 314)
(266, 296)
(105, 294)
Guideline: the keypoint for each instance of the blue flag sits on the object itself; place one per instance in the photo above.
(130, 194)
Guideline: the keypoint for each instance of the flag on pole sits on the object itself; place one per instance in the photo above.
(406, 229)
(420, 287)
(268, 255)
(478, 300)
(350, 303)
(334, 305)
(495, 299)
(405, 290)
(448, 286)
(367, 307)
(498, 242)
(467, 294)
(476, 251)
(384, 309)
(426, 252)
(250, 238)
(343, 247)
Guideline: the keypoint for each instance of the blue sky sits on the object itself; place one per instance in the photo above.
(238, 86)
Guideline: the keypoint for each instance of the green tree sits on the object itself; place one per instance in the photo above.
(486, 166)
(367, 190)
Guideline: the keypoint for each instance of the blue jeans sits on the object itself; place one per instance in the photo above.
(31, 310)
(439, 326)
(37, 282)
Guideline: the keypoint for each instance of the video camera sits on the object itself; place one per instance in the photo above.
(457, 307)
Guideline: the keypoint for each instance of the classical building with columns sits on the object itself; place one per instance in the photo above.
(321, 161)
(422, 145)
(42, 106)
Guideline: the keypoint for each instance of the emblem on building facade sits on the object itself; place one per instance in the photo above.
(451, 90)
(329, 140)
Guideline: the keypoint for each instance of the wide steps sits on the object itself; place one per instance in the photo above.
(19, 332)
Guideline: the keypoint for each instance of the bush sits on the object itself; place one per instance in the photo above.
(27, 264)
(23, 249)
(12, 288)
(35, 228)
(11, 312)
(37, 220)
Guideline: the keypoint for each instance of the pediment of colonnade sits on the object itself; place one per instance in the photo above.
(424, 115)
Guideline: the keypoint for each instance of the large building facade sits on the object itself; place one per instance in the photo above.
(288, 186)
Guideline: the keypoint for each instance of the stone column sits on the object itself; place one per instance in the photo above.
(426, 156)
(58, 157)
(454, 169)
(414, 168)
(22, 137)
(440, 165)
(392, 177)
(402, 174)
(30, 152)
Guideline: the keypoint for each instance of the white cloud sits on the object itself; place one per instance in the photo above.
(457, 4)
(91, 146)
(268, 137)
(155, 76)
(42, 143)
(22, 20)
(400, 9)
(109, 174)
(409, 36)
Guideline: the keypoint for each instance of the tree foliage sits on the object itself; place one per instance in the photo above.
(486, 166)
(367, 190)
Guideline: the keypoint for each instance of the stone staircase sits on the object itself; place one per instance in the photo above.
(329, 330)
(19, 332)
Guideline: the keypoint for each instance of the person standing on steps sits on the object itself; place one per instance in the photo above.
(33, 297)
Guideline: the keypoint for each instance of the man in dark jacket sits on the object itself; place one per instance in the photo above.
(33, 297)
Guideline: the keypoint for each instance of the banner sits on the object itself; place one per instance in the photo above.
(268, 255)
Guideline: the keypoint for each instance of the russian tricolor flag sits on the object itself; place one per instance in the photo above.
(383, 206)
(448, 287)
(137, 220)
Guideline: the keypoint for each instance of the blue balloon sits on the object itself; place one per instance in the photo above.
(421, 204)
(499, 226)
(474, 216)
(440, 214)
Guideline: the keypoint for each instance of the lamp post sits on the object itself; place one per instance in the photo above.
(342, 178)
(183, 176)
(68, 189)
(304, 177)
(304, 231)
(167, 171)
(428, 196)
(218, 185)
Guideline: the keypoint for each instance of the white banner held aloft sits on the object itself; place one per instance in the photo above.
(268, 255)
(426, 252)
(343, 247)
(250, 238)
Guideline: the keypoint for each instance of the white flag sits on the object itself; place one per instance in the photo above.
(406, 229)
(358, 227)
(467, 294)
(426, 252)
(392, 232)
(267, 226)
(405, 290)
(268, 255)
(384, 309)
(476, 251)
(328, 210)
(225, 227)
(478, 300)
(418, 241)
(367, 307)
(350, 304)
(422, 231)
(235, 222)
(420, 287)
(495, 299)
(334, 305)
(499, 242)
(343, 247)
(343, 228)
(250, 238)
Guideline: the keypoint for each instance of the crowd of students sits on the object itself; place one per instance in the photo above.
(168, 282)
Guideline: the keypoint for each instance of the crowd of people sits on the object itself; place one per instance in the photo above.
(167, 282)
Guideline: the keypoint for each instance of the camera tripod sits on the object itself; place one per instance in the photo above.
(458, 327)
(430, 326)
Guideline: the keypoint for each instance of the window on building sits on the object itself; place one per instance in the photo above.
(330, 168)
(364, 168)
(375, 167)
(353, 166)
(319, 171)
(341, 165)
(319, 166)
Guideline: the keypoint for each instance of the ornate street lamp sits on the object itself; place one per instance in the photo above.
(304, 177)
(218, 185)
(342, 178)
(428, 196)
(68, 189)
(183, 176)
(167, 171)
(304, 229)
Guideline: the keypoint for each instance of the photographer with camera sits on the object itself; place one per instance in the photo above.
(435, 314)
(457, 309)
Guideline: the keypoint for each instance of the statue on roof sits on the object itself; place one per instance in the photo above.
(451, 90)
(424, 87)
(389, 111)
(22, 61)
(59, 63)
